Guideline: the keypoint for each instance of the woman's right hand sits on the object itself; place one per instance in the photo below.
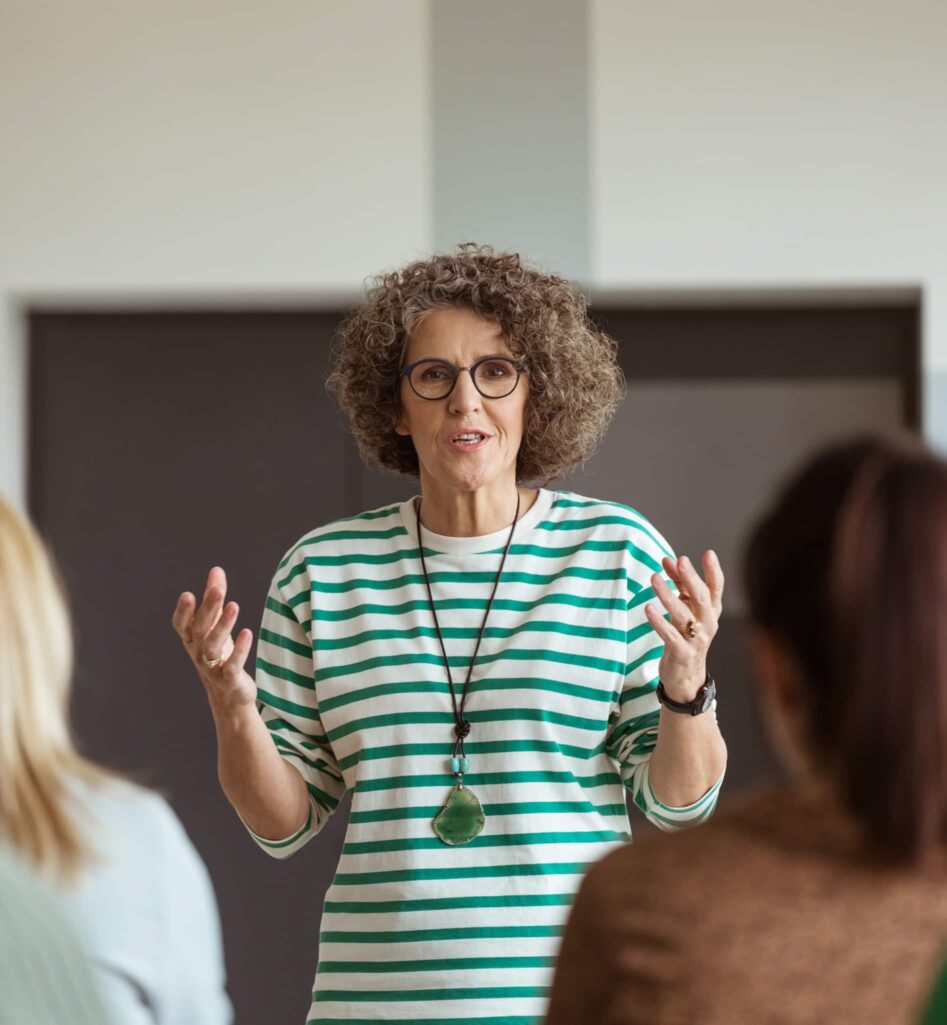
(219, 659)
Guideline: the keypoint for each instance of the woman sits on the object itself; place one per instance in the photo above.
(486, 696)
(825, 899)
(127, 875)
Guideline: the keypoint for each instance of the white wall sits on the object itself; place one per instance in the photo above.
(752, 144)
(160, 149)
(173, 148)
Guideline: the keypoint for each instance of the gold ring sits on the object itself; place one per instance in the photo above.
(690, 629)
(212, 663)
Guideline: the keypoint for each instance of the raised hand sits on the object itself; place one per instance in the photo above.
(218, 658)
(694, 615)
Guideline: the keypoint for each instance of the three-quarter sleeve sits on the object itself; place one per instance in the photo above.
(633, 732)
(286, 699)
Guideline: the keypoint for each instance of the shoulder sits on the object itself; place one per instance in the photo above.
(132, 817)
(608, 525)
(350, 533)
(751, 834)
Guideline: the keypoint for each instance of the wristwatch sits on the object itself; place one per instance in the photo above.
(703, 699)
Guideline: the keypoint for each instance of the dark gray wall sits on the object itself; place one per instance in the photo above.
(164, 443)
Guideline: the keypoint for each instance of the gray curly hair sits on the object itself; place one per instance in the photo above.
(575, 383)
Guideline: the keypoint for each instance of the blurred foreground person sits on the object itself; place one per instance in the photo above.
(824, 899)
(45, 977)
(129, 878)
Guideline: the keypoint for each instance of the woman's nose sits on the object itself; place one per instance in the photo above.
(464, 396)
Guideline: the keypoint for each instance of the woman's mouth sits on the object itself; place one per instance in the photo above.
(469, 441)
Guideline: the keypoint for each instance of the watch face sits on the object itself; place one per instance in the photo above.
(709, 692)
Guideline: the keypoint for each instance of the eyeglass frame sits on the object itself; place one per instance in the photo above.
(516, 364)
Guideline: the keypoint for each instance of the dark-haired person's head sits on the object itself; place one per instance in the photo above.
(846, 578)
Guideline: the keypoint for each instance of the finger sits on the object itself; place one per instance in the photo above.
(215, 642)
(713, 572)
(233, 667)
(216, 577)
(209, 612)
(673, 570)
(183, 615)
(698, 590)
(665, 630)
(680, 613)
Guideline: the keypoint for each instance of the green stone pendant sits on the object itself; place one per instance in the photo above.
(461, 818)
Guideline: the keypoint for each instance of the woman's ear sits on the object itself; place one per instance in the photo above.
(782, 701)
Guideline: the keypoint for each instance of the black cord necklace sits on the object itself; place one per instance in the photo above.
(461, 818)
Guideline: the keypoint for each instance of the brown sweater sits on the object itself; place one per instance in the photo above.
(771, 914)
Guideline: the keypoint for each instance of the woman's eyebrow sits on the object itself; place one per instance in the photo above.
(489, 355)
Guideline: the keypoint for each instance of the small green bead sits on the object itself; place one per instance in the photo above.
(455, 765)
(464, 764)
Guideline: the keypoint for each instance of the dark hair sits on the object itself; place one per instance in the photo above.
(575, 383)
(849, 571)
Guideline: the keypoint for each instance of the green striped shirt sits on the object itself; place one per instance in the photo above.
(564, 717)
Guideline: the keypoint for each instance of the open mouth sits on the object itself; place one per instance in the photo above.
(469, 439)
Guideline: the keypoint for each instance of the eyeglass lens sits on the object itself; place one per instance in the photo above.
(493, 378)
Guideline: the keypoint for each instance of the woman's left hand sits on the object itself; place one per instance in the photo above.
(695, 611)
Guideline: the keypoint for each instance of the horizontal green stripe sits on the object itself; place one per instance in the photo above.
(282, 673)
(596, 633)
(389, 751)
(513, 808)
(314, 537)
(444, 964)
(510, 900)
(273, 701)
(314, 763)
(651, 655)
(474, 716)
(417, 875)
(340, 534)
(453, 932)
(483, 686)
(279, 641)
(462, 662)
(475, 779)
(635, 521)
(281, 610)
(405, 995)
(312, 742)
(433, 843)
(468, 578)
(450, 604)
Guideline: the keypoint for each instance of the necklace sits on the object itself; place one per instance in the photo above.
(461, 818)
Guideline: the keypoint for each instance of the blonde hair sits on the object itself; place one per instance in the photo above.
(38, 759)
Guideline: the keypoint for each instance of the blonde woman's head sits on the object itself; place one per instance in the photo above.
(38, 760)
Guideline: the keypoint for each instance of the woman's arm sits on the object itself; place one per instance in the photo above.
(690, 755)
(266, 791)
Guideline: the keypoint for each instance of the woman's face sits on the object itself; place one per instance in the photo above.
(462, 337)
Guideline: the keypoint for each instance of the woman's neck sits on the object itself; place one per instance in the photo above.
(472, 513)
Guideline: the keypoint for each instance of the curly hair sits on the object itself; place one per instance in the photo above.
(575, 383)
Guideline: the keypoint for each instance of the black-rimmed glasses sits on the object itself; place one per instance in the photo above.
(493, 376)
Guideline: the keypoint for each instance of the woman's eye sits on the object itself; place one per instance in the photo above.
(434, 374)
(496, 370)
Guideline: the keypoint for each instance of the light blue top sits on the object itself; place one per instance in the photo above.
(147, 913)
(45, 977)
